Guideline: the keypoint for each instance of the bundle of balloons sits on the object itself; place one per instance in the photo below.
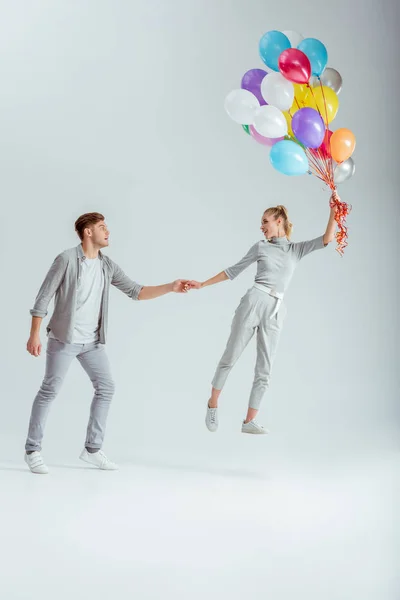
(290, 108)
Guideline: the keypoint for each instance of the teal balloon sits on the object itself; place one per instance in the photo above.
(316, 53)
(271, 46)
(288, 158)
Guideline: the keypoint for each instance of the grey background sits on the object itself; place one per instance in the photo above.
(118, 107)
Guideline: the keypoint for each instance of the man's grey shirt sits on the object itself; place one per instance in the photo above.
(63, 280)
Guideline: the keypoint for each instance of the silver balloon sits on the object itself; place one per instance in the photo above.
(344, 170)
(333, 79)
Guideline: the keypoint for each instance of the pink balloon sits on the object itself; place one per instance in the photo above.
(263, 140)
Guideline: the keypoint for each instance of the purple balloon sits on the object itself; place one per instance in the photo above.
(308, 127)
(251, 81)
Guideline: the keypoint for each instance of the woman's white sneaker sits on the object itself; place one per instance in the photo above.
(253, 427)
(36, 464)
(98, 459)
(212, 419)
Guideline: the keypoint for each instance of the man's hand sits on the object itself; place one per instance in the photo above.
(34, 345)
(180, 286)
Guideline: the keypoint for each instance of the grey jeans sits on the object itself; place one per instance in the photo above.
(59, 357)
(254, 315)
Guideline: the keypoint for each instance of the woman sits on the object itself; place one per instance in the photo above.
(261, 310)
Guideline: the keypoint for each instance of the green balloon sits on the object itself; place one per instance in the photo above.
(295, 140)
(247, 129)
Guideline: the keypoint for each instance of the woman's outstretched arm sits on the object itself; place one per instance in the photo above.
(233, 271)
(197, 285)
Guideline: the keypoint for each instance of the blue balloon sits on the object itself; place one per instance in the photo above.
(288, 158)
(272, 44)
(316, 53)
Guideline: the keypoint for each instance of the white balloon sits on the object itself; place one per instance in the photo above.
(270, 122)
(241, 106)
(277, 91)
(294, 37)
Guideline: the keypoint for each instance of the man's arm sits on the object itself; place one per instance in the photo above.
(49, 286)
(149, 292)
(47, 290)
(34, 345)
(136, 291)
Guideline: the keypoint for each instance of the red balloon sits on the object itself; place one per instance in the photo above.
(325, 147)
(295, 65)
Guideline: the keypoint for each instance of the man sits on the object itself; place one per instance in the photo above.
(80, 279)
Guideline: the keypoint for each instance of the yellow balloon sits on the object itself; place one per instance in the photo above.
(289, 122)
(325, 100)
(301, 93)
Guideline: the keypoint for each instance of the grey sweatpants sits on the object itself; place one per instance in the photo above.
(59, 357)
(253, 315)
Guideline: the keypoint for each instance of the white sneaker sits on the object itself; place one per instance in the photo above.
(98, 459)
(36, 464)
(212, 419)
(253, 427)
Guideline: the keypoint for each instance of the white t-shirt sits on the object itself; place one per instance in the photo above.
(88, 302)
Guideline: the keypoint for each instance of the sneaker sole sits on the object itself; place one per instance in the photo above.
(256, 432)
(96, 466)
(39, 472)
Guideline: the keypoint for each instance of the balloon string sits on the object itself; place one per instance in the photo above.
(317, 168)
(323, 96)
(321, 169)
(342, 211)
(312, 93)
(329, 157)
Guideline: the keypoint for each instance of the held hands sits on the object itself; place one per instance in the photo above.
(195, 285)
(34, 345)
(182, 286)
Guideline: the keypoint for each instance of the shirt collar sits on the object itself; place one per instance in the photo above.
(279, 241)
(81, 254)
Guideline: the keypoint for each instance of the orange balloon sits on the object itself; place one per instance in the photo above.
(342, 143)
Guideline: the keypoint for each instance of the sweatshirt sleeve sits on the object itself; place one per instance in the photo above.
(301, 249)
(121, 281)
(49, 286)
(244, 262)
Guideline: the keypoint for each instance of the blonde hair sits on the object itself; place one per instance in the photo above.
(280, 212)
